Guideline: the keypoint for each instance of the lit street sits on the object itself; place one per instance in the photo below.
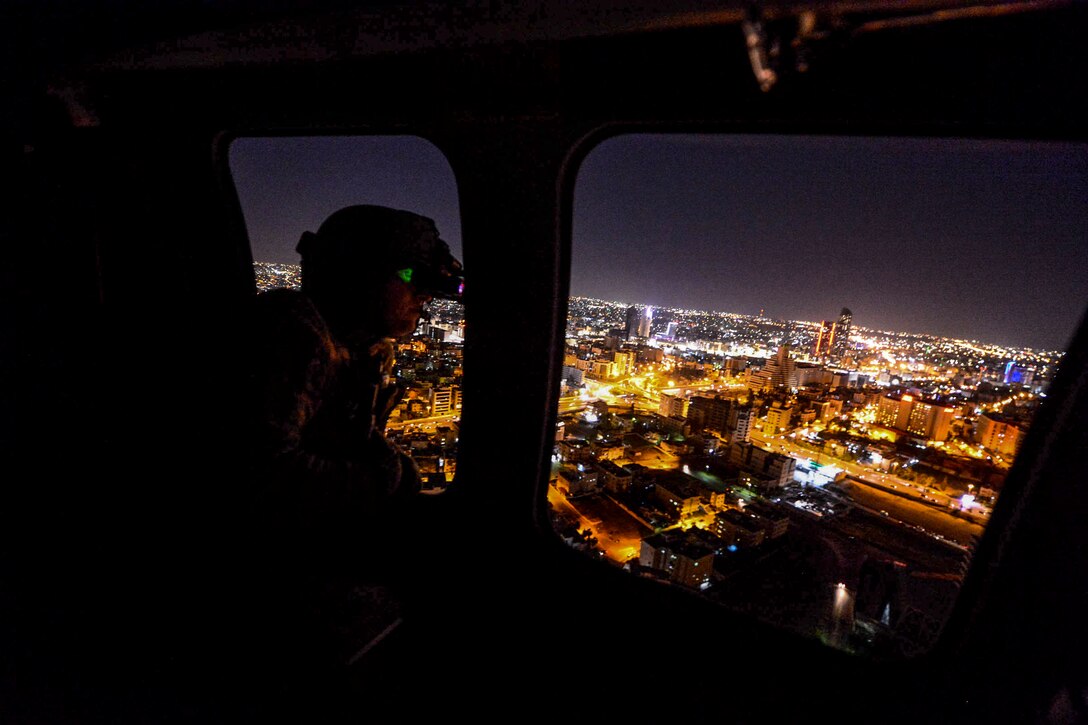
(425, 424)
(617, 532)
(877, 478)
(916, 507)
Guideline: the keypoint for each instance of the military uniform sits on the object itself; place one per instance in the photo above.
(327, 487)
(328, 494)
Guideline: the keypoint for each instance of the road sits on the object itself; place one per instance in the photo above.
(424, 423)
(796, 448)
(917, 508)
(633, 391)
(618, 533)
(915, 515)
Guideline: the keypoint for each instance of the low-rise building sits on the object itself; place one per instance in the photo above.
(574, 450)
(738, 527)
(614, 478)
(778, 418)
(610, 450)
(679, 491)
(998, 434)
(775, 468)
(577, 480)
(683, 557)
(774, 520)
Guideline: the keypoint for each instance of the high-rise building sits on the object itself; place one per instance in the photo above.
(781, 369)
(645, 322)
(739, 424)
(832, 341)
(672, 405)
(997, 433)
(925, 418)
(825, 339)
(624, 361)
(841, 345)
(630, 329)
(710, 413)
(445, 401)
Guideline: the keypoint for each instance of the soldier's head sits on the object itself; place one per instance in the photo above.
(371, 269)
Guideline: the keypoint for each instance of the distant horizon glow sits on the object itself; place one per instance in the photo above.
(965, 239)
(727, 313)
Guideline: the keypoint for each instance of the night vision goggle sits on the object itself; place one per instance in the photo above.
(442, 285)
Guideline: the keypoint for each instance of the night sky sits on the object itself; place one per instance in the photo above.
(984, 240)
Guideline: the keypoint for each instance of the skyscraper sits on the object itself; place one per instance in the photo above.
(644, 323)
(841, 345)
(825, 339)
(832, 340)
(633, 317)
(781, 369)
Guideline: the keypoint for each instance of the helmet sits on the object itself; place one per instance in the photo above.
(373, 242)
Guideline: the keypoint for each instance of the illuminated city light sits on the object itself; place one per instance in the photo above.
(940, 376)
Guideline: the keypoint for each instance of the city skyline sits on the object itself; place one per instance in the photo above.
(692, 461)
(289, 273)
(969, 239)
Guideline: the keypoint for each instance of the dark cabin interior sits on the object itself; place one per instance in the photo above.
(129, 261)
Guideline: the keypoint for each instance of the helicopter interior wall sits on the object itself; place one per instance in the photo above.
(126, 296)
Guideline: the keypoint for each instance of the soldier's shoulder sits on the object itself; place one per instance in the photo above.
(281, 305)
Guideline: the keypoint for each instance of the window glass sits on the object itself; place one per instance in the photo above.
(798, 369)
(290, 185)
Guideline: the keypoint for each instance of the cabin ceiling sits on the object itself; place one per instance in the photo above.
(61, 34)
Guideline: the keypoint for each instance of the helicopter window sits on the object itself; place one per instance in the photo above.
(289, 185)
(799, 369)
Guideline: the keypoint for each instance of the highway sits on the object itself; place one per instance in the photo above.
(634, 390)
(797, 448)
(920, 508)
(428, 424)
